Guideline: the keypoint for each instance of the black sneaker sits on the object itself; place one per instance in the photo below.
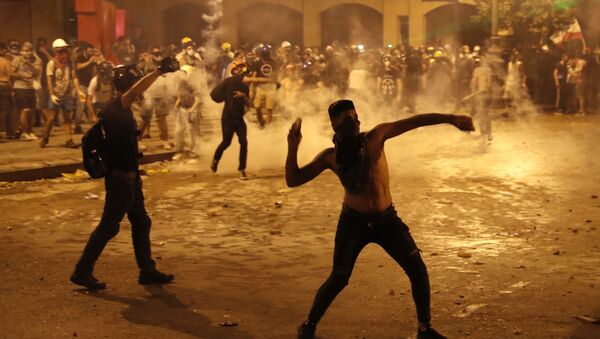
(87, 281)
(307, 330)
(71, 144)
(213, 165)
(430, 333)
(154, 277)
(43, 142)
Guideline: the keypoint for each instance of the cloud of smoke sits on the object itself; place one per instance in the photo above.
(212, 32)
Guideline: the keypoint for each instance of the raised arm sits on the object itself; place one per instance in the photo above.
(139, 88)
(295, 176)
(167, 65)
(393, 129)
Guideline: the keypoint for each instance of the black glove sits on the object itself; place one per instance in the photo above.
(168, 65)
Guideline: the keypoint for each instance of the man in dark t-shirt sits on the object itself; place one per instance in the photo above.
(234, 92)
(86, 65)
(123, 183)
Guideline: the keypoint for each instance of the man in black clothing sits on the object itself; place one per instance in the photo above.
(234, 92)
(123, 183)
(368, 214)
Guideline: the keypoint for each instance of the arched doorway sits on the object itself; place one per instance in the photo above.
(442, 28)
(353, 24)
(185, 20)
(269, 23)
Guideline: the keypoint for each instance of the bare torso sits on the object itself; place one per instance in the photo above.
(375, 195)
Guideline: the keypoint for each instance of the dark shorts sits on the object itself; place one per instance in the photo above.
(67, 103)
(25, 98)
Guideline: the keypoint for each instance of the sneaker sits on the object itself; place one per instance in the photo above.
(154, 277)
(243, 175)
(167, 145)
(307, 330)
(33, 136)
(71, 144)
(87, 281)
(25, 137)
(213, 165)
(430, 333)
(43, 142)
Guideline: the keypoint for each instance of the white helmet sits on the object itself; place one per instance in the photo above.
(286, 44)
(59, 43)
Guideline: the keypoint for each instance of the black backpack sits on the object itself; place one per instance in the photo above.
(93, 146)
(218, 93)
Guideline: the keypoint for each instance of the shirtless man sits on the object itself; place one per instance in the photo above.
(368, 214)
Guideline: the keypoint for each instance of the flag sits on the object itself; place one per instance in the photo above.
(573, 32)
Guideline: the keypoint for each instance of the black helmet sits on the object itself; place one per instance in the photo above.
(265, 52)
(105, 68)
(125, 76)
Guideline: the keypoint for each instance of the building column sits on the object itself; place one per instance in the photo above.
(228, 23)
(391, 31)
(312, 24)
(416, 22)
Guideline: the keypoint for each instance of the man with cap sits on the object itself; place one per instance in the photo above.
(123, 182)
(368, 214)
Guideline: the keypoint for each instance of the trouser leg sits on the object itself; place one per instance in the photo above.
(242, 132)
(399, 244)
(140, 229)
(119, 197)
(347, 248)
(228, 132)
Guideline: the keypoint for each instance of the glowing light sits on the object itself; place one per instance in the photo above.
(360, 47)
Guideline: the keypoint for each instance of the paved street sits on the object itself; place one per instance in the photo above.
(509, 231)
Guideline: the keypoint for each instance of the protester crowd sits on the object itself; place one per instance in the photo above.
(67, 84)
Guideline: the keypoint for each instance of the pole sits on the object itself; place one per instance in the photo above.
(494, 18)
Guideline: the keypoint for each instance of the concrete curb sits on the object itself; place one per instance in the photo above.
(56, 171)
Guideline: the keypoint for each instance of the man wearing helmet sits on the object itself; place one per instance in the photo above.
(388, 80)
(62, 90)
(264, 100)
(223, 61)
(189, 55)
(234, 92)
(101, 89)
(123, 183)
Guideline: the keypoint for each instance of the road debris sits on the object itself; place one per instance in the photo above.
(468, 310)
